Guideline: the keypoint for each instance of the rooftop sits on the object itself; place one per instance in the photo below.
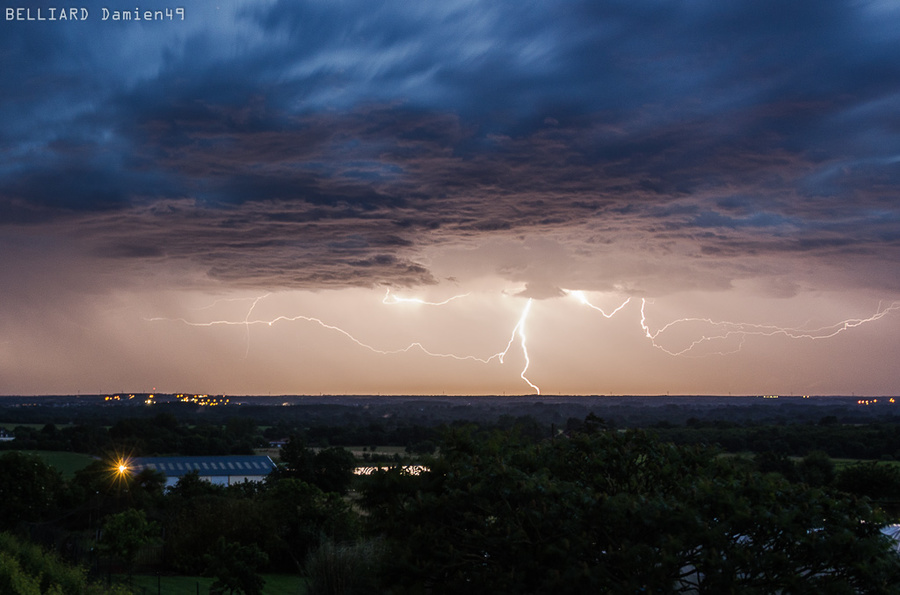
(206, 466)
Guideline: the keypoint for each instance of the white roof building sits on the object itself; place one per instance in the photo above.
(222, 470)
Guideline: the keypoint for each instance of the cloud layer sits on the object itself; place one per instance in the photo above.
(309, 145)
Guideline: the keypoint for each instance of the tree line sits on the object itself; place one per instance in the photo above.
(502, 510)
(610, 512)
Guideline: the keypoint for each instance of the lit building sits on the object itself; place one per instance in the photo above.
(222, 470)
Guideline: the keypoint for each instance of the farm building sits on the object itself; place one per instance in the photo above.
(224, 470)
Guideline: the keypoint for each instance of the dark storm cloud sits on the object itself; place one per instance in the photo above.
(311, 144)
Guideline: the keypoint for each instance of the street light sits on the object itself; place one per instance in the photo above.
(120, 469)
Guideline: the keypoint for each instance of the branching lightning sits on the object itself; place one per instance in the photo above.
(518, 330)
(721, 330)
(247, 321)
(742, 330)
(579, 295)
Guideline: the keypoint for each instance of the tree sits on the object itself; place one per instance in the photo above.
(330, 469)
(190, 486)
(302, 515)
(125, 533)
(764, 534)
(333, 469)
(297, 460)
(878, 481)
(26, 569)
(29, 491)
(235, 568)
(425, 447)
(344, 569)
(240, 427)
(611, 512)
(770, 461)
(194, 525)
(817, 469)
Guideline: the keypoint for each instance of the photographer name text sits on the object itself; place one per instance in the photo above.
(83, 14)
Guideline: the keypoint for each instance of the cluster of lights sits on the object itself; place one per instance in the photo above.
(120, 398)
(203, 400)
(873, 401)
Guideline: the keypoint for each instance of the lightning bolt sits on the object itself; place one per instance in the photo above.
(226, 300)
(722, 330)
(521, 327)
(745, 329)
(247, 321)
(579, 295)
(401, 300)
(518, 330)
(741, 330)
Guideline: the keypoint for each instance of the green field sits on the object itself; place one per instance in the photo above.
(276, 584)
(67, 463)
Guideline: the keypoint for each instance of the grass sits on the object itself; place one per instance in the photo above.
(67, 463)
(146, 584)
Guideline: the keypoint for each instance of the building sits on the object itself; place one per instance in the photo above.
(893, 531)
(225, 470)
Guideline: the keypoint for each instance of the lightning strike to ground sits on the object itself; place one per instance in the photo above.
(520, 327)
(519, 330)
(723, 329)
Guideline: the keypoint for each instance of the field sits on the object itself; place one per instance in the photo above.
(67, 463)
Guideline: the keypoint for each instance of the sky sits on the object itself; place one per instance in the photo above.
(459, 197)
